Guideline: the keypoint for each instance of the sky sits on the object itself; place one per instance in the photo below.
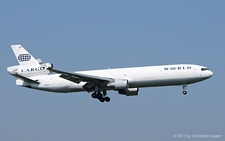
(87, 35)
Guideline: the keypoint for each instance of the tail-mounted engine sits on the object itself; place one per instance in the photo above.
(28, 71)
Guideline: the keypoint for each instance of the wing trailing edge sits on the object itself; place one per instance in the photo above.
(78, 77)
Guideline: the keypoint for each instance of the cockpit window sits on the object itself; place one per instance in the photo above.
(204, 69)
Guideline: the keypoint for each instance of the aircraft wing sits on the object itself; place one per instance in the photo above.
(28, 80)
(78, 77)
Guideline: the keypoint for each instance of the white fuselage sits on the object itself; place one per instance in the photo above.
(137, 77)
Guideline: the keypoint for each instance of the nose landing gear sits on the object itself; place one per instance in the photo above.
(184, 89)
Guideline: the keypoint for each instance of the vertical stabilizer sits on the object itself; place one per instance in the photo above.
(28, 65)
(23, 57)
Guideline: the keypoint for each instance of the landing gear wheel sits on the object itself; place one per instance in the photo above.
(102, 99)
(107, 99)
(184, 92)
(94, 95)
(99, 95)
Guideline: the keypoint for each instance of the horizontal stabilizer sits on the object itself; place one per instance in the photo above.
(25, 79)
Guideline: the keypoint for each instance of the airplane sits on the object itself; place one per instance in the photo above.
(35, 74)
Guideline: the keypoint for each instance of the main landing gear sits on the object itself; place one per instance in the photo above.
(98, 95)
(185, 89)
(101, 97)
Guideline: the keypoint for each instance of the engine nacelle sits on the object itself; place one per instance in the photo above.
(129, 91)
(32, 70)
(119, 84)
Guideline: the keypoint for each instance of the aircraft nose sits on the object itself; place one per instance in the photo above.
(210, 73)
